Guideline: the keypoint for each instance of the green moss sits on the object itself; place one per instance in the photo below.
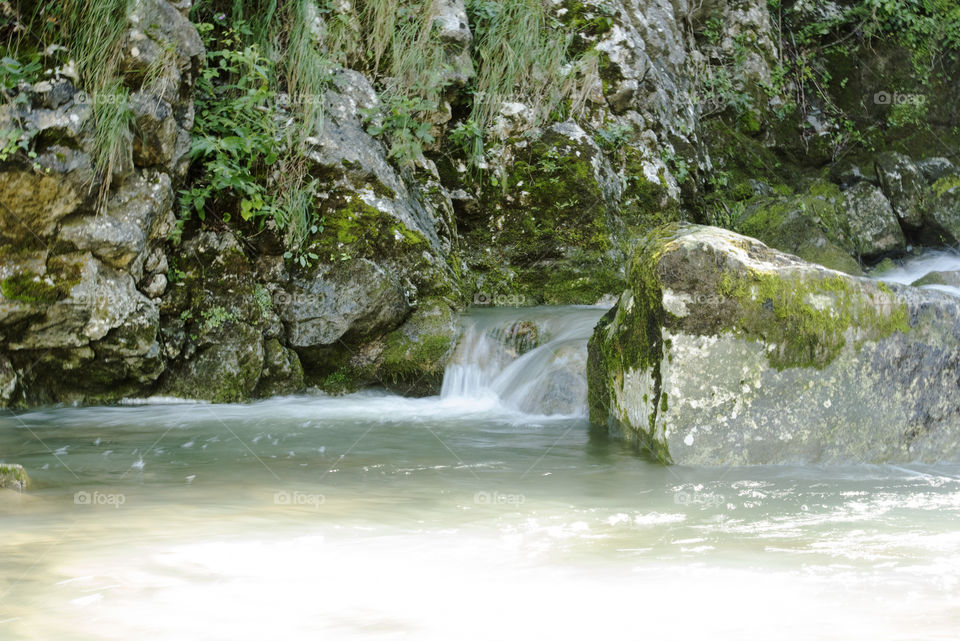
(361, 230)
(807, 319)
(588, 23)
(933, 278)
(404, 357)
(629, 337)
(807, 225)
(646, 204)
(30, 288)
(342, 381)
(415, 355)
(945, 184)
(13, 476)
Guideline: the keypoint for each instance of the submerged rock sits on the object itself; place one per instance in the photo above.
(13, 477)
(724, 351)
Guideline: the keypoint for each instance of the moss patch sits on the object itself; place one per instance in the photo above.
(808, 319)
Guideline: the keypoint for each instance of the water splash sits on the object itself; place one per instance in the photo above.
(532, 360)
(913, 269)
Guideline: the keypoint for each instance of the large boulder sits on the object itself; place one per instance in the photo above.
(217, 322)
(811, 225)
(724, 351)
(904, 185)
(872, 223)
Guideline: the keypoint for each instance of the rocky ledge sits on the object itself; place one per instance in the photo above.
(725, 351)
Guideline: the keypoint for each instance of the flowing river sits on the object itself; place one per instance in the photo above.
(489, 512)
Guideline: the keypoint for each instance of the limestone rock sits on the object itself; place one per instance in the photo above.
(724, 351)
(328, 304)
(904, 185)
(119, 235)
(871, 222)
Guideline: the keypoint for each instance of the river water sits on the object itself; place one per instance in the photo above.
(489, 512)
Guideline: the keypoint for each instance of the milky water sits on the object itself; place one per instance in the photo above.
(490, 512)
(916, 268)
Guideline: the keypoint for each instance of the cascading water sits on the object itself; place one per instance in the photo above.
(944, 262)
(531, 360)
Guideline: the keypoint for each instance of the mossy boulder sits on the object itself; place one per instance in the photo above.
(409, 360)
(552, 224)
(946, 279)
(13, 477)
(415, 356)
(725, 351)
(281, 373)
(872, 224)
(225, 371)
(214, 318)
(904, 185)
(941, 217)
(808, 225)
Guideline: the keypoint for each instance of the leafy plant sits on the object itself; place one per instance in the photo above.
(400, 122)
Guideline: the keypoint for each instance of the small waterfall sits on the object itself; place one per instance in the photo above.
(944, 265)
(529, 359)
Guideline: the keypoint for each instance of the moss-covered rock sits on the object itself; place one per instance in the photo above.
(415, 355)
(552, 225)
(808, 225)
(13, 477)
(282, 372)
(409, 360)
(763, 358)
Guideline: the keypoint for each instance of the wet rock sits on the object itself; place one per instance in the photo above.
(724, 351)
(871, 221)
(414, 357)
(13, 477)
(120, 234)
(904, 186)
(282, 372)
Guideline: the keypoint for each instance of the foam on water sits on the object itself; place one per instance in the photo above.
(913, 269)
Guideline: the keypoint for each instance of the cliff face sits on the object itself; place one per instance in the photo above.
(663, 111)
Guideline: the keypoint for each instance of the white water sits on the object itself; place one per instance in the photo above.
(916, 268)
(488, 513)
(497, 361)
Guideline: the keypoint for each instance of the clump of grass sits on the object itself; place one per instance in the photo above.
(112, 118)
(521, 53)
(91, 32)
(307, 70)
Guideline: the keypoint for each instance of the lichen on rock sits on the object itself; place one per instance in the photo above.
(768, 359)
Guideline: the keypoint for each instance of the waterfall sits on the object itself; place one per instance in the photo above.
(532, 360)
